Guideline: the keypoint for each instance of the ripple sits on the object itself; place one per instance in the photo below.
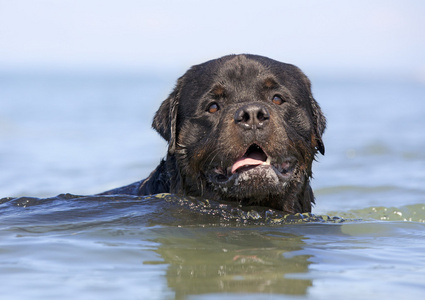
(410, 213)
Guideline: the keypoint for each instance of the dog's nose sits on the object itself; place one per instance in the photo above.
(252, 116)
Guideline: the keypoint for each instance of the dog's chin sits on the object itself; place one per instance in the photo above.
(252, 184)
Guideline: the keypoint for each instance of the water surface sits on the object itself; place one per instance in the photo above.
(84, 133)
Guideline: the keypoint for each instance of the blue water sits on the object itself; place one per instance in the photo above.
(82, 133)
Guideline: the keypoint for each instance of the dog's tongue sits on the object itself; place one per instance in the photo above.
(245, 162)
(253, 160)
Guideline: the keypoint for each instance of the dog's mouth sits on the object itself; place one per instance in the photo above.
(253, 163)
(253, 157)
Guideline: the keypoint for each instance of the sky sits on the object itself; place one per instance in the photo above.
(364, 36)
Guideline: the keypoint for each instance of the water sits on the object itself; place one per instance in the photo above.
(83, 133)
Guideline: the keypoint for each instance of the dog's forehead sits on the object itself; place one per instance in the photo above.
(230, 72)
(240, 70)
(241, 73)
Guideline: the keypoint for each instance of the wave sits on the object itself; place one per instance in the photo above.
(72, 211)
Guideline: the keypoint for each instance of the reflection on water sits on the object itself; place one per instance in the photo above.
(235, 260)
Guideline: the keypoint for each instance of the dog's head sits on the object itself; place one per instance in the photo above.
(243, 128)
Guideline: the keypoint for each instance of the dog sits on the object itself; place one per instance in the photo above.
(240, 128)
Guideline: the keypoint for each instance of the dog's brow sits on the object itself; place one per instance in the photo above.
(218, 91)
(270, 83)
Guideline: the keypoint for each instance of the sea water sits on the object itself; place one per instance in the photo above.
(64, 134)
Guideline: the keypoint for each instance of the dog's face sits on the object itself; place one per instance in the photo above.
(243, 128)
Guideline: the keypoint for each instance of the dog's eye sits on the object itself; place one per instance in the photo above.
(213, 108)
(277, 100)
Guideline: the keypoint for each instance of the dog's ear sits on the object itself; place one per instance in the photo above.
(165, 119)
(319, 120)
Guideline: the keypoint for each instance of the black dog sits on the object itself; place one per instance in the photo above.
(239, 128)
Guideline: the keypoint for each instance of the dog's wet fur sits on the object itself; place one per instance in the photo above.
(241, 128)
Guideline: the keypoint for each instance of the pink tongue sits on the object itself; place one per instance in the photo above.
(246, 161)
